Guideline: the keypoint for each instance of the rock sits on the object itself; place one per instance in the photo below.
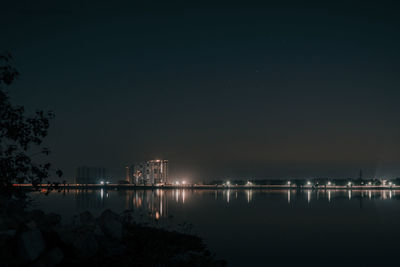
(113, 248)
(31, 225)
(10, 221)
(110, 224)
(50, 220)
(65, 234)
(86, 218)
(15, 219)
(8, 233)
(96, 229)
(51, 258)
(36, 215)
(127, 217)
(83, 240)
(85, 244)
(181, 257)
(54, 257)
(5, 237)
(45, 222)
(31, 244)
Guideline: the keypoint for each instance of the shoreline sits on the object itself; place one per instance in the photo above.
(215, 187)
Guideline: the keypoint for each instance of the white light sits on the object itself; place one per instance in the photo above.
(349, 184)
(183, 182)
(101, 182)
(308, 183)
(107, 182)
(369, 183)
(177, 182)
(228, 183)
(288, 182)
(329, 183)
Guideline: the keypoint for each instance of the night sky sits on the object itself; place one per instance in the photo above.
(229, 89)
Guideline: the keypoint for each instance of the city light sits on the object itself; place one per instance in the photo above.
(308, 183)
(177, 182)
(101, 182)
(288, 182)
(349, 183)
(329, 183)
(228, 183)
(183, 182)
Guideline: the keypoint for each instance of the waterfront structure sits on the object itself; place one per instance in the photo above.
(149, 172)
(90, 175)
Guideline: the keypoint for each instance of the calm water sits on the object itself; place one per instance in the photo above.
(263, 228)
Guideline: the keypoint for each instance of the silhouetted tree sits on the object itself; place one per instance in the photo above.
(21, 135)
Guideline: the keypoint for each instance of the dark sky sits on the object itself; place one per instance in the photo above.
(228, 89)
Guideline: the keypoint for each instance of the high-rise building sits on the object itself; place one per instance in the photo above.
(90, 175)
(149, 172)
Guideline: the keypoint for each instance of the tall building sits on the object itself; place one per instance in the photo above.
(149, 172)
(90, 175)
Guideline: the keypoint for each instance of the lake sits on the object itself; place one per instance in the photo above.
(260, 227)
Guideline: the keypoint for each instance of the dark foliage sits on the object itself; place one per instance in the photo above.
(21, 136)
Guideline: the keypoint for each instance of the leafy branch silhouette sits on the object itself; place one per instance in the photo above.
(19, 135)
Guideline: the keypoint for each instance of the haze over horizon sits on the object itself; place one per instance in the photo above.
(255, 90)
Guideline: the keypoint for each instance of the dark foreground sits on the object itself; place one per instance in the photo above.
(33, 238)
(261, 227)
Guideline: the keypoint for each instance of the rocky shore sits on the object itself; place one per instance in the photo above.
(33, 238)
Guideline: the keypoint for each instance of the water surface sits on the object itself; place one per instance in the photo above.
(261, 227)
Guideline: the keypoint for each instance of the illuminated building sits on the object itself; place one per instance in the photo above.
(149, 172)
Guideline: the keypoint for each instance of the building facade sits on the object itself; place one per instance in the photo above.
(149, 172)
(90, 175)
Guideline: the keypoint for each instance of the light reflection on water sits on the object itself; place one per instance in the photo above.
(243, 225)
(156, 202)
